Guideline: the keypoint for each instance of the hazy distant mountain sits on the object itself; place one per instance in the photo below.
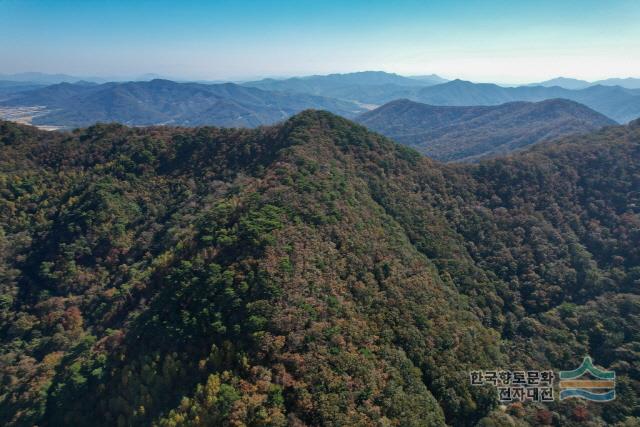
(167, 102)
(371, 87)
(54, 96)
(568, 83)
(564, 82)
(615, 102)
(321, 82)
(42, 78)
(431, 79)
(377, 88)
(270, 100)
(629, 83)
(10, 87)
(49, 79)
(469, 133)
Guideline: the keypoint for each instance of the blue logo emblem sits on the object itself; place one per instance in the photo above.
(600, 389)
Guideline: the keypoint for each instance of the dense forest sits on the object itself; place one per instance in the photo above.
(309, 273)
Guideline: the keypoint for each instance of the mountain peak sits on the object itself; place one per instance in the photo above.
(159, 81)
(459, 82)
(318, 121)
(564, 82)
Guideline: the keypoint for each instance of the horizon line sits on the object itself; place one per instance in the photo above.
(148, 76)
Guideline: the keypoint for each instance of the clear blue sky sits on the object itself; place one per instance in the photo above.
(491, 40)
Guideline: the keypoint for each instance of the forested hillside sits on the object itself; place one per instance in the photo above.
(310, 273)
(472, 133)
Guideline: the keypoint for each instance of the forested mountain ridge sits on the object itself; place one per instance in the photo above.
(311, 273)
(471, 133)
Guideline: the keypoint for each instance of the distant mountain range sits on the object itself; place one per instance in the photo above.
(365, 87)
(615, 102)
(377, 88)
(363, 78)
(333, 81)
(167, 102)
(41, 78)
(49, 79)
(470, 133)
(568, 83)
(267, 101)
